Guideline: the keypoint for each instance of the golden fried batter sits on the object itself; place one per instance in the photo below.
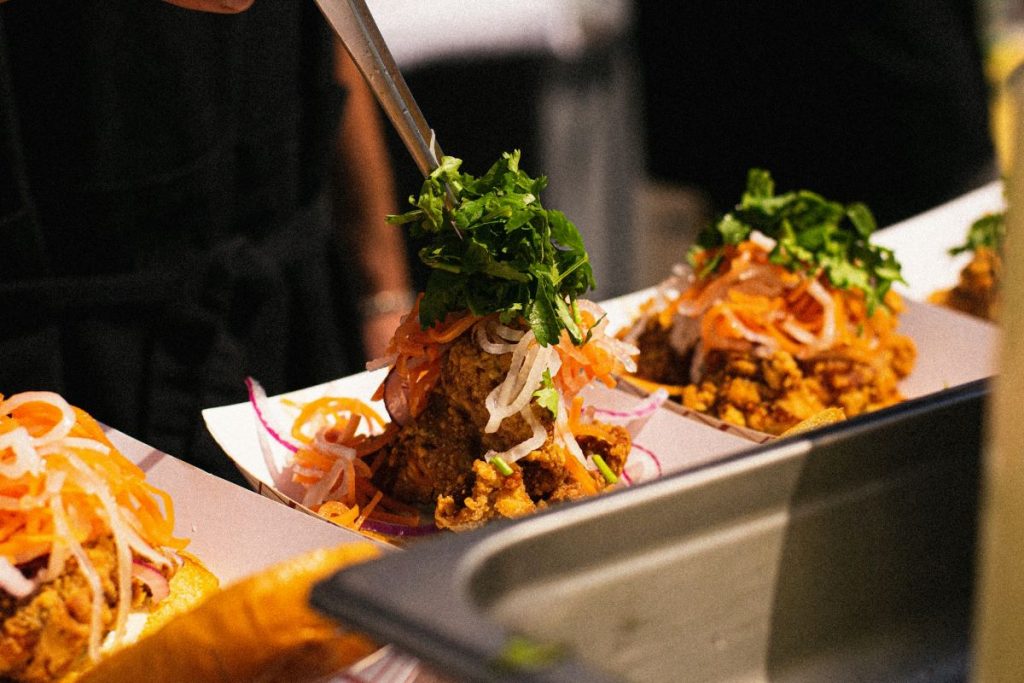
(43, 635)
(658, 359)
(437, 456)
(775, 393)
(976, 292)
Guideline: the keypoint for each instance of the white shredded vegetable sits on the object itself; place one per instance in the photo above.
(317, 493)
(20, 454)
(536, 440)
(13, 581)
(529, 362)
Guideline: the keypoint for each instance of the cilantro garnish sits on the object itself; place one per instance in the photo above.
(547, 395)
(988, 231)
(811, 234)
(495, 249)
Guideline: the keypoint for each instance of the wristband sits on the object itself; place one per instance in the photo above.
(386, 302)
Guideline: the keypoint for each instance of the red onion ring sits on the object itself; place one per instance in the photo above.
(390, 529)
(643, 409)
(154, 580)
(396, 399)
(650, 454)
(258, 398)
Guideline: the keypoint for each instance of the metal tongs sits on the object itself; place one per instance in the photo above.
(352, 21)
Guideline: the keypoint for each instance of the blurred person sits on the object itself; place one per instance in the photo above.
(883, 102)
(187, 198)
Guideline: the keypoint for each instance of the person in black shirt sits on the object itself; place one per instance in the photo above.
(882, 101)
(187, 198)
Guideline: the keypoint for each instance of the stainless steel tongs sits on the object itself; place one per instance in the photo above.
(352, 21)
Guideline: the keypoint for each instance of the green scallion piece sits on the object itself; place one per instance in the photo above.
(502, 466)
(605, 471)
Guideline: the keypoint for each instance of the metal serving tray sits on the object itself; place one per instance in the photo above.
(844, 554)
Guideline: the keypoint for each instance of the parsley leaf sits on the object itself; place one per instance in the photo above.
(811, 234)
(495, 249)
(988, 231)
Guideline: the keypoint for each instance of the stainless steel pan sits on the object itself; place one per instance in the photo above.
(845, 554)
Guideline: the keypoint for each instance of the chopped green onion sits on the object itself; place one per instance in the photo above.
(501, 466)
(520, 653)
(605, 471)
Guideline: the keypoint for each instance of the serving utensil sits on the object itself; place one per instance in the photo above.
(352, 21)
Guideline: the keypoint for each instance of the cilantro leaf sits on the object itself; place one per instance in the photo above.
(812, 234)
(547, 395)
(496, 249)
(989, 231)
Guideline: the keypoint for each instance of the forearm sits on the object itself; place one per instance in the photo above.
(364, 177)
(365, 193)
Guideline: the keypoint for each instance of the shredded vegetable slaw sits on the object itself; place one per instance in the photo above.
(785, 309)
(335, 441)
(751, 304)
(63, 485)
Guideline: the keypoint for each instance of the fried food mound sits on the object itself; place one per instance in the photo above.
(777, 391)
(976, 292)
(438, 455)
(43, 636)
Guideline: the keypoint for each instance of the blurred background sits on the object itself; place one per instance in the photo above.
(646, 115)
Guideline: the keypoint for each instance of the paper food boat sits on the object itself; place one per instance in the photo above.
(922, 243)
(664, 442)
(234, 531)
(953, 349)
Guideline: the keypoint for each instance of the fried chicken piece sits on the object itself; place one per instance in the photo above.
(438, 455)
(658, 358)
(434, 452)
(491, 495)
(537, 479)
(976, 292)
(43, 635)
(775, 393)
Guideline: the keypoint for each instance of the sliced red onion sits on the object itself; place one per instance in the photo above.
(13, 581)
(153, 578)
(396, 399)
(645, 408)
(382, 362)
(523, 378)
(258, 399)
(391, 529)
(386, 665)
(649, 456)
(317, 493)
(828, 329)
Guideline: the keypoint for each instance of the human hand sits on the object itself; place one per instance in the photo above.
(219, 6)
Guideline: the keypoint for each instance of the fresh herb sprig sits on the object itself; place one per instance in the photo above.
(989, 232)
(811, 234)
(495, 249)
